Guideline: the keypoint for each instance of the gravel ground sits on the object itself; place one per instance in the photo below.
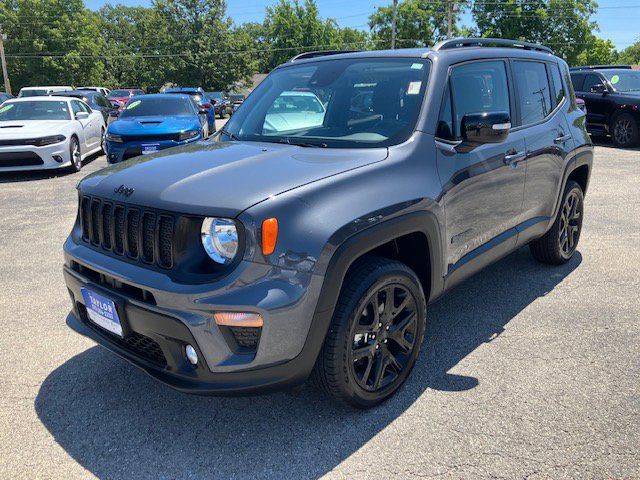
(527, 371)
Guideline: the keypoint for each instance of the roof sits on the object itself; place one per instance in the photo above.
(183, 89)
(43, 98)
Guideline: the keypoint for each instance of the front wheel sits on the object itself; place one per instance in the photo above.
(76, 156)
(558, 245)
(375, 334)
(624, 130)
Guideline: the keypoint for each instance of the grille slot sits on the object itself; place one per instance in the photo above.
(139, 233)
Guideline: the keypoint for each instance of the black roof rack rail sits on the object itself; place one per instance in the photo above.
(489, 42)
(319, 53)
(600, 67)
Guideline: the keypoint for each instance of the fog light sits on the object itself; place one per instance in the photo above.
(192, 356)
(57, 158)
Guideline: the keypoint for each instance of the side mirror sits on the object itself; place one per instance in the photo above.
(82, 116)
(486, 127)
(202, 111)
(599, 88)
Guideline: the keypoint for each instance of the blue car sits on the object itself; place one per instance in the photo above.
(151, 123)
(199, 97)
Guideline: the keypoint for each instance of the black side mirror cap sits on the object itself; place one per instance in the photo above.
(599, 88)
(486, 127)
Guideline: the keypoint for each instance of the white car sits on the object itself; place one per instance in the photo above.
(47, 133)
(294, 110)
(104, 91)
(42, 91)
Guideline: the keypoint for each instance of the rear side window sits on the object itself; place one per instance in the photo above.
(590, 81)
(558, 89)
(479, 87)
(578, 80)
(533, 91)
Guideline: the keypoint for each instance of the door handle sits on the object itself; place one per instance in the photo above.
(562, 138)
(512, 158)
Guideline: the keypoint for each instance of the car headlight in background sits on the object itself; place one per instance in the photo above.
(220, 239)
(188, 135)
(41, 142)
(110, 137)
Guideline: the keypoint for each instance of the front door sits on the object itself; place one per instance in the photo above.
(483, 186)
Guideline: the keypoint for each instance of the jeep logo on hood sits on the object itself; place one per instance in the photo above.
(123, 190)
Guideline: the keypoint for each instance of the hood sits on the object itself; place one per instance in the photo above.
(16, 129)
(153, 125)
(222, 178)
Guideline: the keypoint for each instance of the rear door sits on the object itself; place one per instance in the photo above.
(541, 99)
(483, 185)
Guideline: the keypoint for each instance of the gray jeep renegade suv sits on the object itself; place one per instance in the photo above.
(347, 192)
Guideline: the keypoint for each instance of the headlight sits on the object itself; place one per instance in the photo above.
(110, 137)
(220, 239)
(41, 142)
(188, 135)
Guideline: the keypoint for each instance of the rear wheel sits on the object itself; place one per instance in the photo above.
(375, 334)
(559, 244)
(103, 147)
(624, 130)
(76, 156)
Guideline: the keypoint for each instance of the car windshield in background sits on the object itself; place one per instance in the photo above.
(623, 80)
(35, 110)
(32, 93)
(216, 95)
(119, 93)
(236, 98)
(347, 103)
(147, 107)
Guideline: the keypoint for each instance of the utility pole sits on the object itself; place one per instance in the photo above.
(394, 16)
(451, 9)
(5, 74)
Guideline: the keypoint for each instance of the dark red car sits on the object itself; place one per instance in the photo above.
(121, 96)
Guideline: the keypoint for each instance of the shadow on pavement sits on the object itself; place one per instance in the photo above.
(118, 423)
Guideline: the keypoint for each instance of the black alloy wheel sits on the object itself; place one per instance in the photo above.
(384, 337)
(570, 224)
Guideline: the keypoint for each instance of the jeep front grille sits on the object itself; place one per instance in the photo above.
(134, 232)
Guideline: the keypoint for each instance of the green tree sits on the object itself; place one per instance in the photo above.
(564, 25)
(598, 52)
(56, 46)
(631, 54)
(419, 23)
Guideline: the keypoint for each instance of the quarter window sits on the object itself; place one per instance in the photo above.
(533, 91)
(479, 87)
(445, 121)
(558, 89)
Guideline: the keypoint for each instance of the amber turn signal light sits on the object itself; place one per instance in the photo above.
(269, 235)
(238, 319)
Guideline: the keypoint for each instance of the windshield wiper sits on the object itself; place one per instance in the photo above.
(232, 136)
(290, 141)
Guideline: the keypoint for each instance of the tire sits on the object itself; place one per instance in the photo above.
(558, 245)
(103, 147)
(624, 130)
(363, 364)
(75, 155)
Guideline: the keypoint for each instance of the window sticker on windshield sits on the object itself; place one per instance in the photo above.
(5, 108)
(134, 104)
(416, 66)
(414, 88)
(615, 79)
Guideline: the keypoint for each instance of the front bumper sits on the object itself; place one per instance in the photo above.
(29, 157)
(163, 321)
(118, 152)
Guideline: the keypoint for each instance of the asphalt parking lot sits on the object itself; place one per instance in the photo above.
(528, 371)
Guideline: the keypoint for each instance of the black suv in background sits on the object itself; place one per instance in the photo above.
(612, 97)
(309, 236)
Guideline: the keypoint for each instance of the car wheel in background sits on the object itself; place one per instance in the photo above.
(103, 147)
(624, 130)
(558, 245)
(375, 334)
(76, 156)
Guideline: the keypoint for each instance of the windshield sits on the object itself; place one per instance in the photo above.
(120, 93)
(218, 95)
(35, 110)
(147, 107)
(32, 92)
(347, 103)
(623, 80)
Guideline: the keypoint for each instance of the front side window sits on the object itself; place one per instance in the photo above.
(534, 92)
(558, 89)
(34, 110)
(479, 87)
(76, 107)
(590, 81)
(346, 103)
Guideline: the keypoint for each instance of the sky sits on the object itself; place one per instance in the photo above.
(615, 17)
